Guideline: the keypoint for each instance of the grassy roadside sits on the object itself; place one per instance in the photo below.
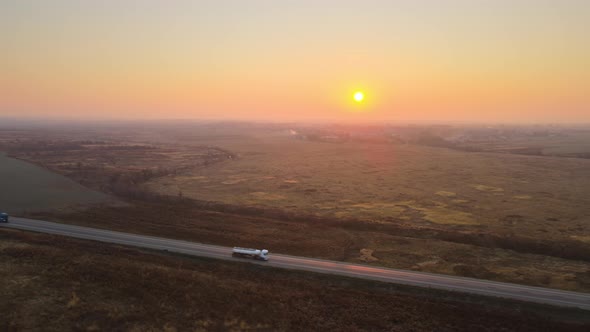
(54, 283)
(389, 248)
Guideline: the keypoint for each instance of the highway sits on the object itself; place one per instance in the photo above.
(421, 279)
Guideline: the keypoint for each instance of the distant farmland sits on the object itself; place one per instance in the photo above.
(544, 197)
(27, 187)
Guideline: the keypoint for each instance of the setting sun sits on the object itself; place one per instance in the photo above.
(359, 96)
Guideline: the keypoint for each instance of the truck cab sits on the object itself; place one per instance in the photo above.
(3, 217)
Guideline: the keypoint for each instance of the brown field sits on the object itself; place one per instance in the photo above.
(574, 144)
(543, 197)
(502, 217)
(52, 283)
(104, 165)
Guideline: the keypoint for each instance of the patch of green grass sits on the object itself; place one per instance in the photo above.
(28, 187)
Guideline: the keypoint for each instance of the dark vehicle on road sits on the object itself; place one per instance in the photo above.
(3, 217)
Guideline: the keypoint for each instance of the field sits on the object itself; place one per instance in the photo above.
(547, 198)
(57, 284)
(27, 187)
(572, 144)
(105, 164)
(494, 216)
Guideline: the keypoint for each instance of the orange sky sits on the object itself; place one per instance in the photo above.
(443, 60)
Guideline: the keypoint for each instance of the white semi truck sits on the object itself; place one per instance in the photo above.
(261, 255)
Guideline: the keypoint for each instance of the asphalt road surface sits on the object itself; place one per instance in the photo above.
(421, 279)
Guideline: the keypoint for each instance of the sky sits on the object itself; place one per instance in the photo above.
(291, 60)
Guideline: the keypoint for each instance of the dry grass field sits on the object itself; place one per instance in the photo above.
(52, 283)
(543, 197)
(103, 165)
(576, 143)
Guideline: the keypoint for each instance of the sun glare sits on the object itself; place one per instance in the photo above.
(359, 96)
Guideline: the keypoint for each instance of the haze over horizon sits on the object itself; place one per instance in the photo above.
(447, 60)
